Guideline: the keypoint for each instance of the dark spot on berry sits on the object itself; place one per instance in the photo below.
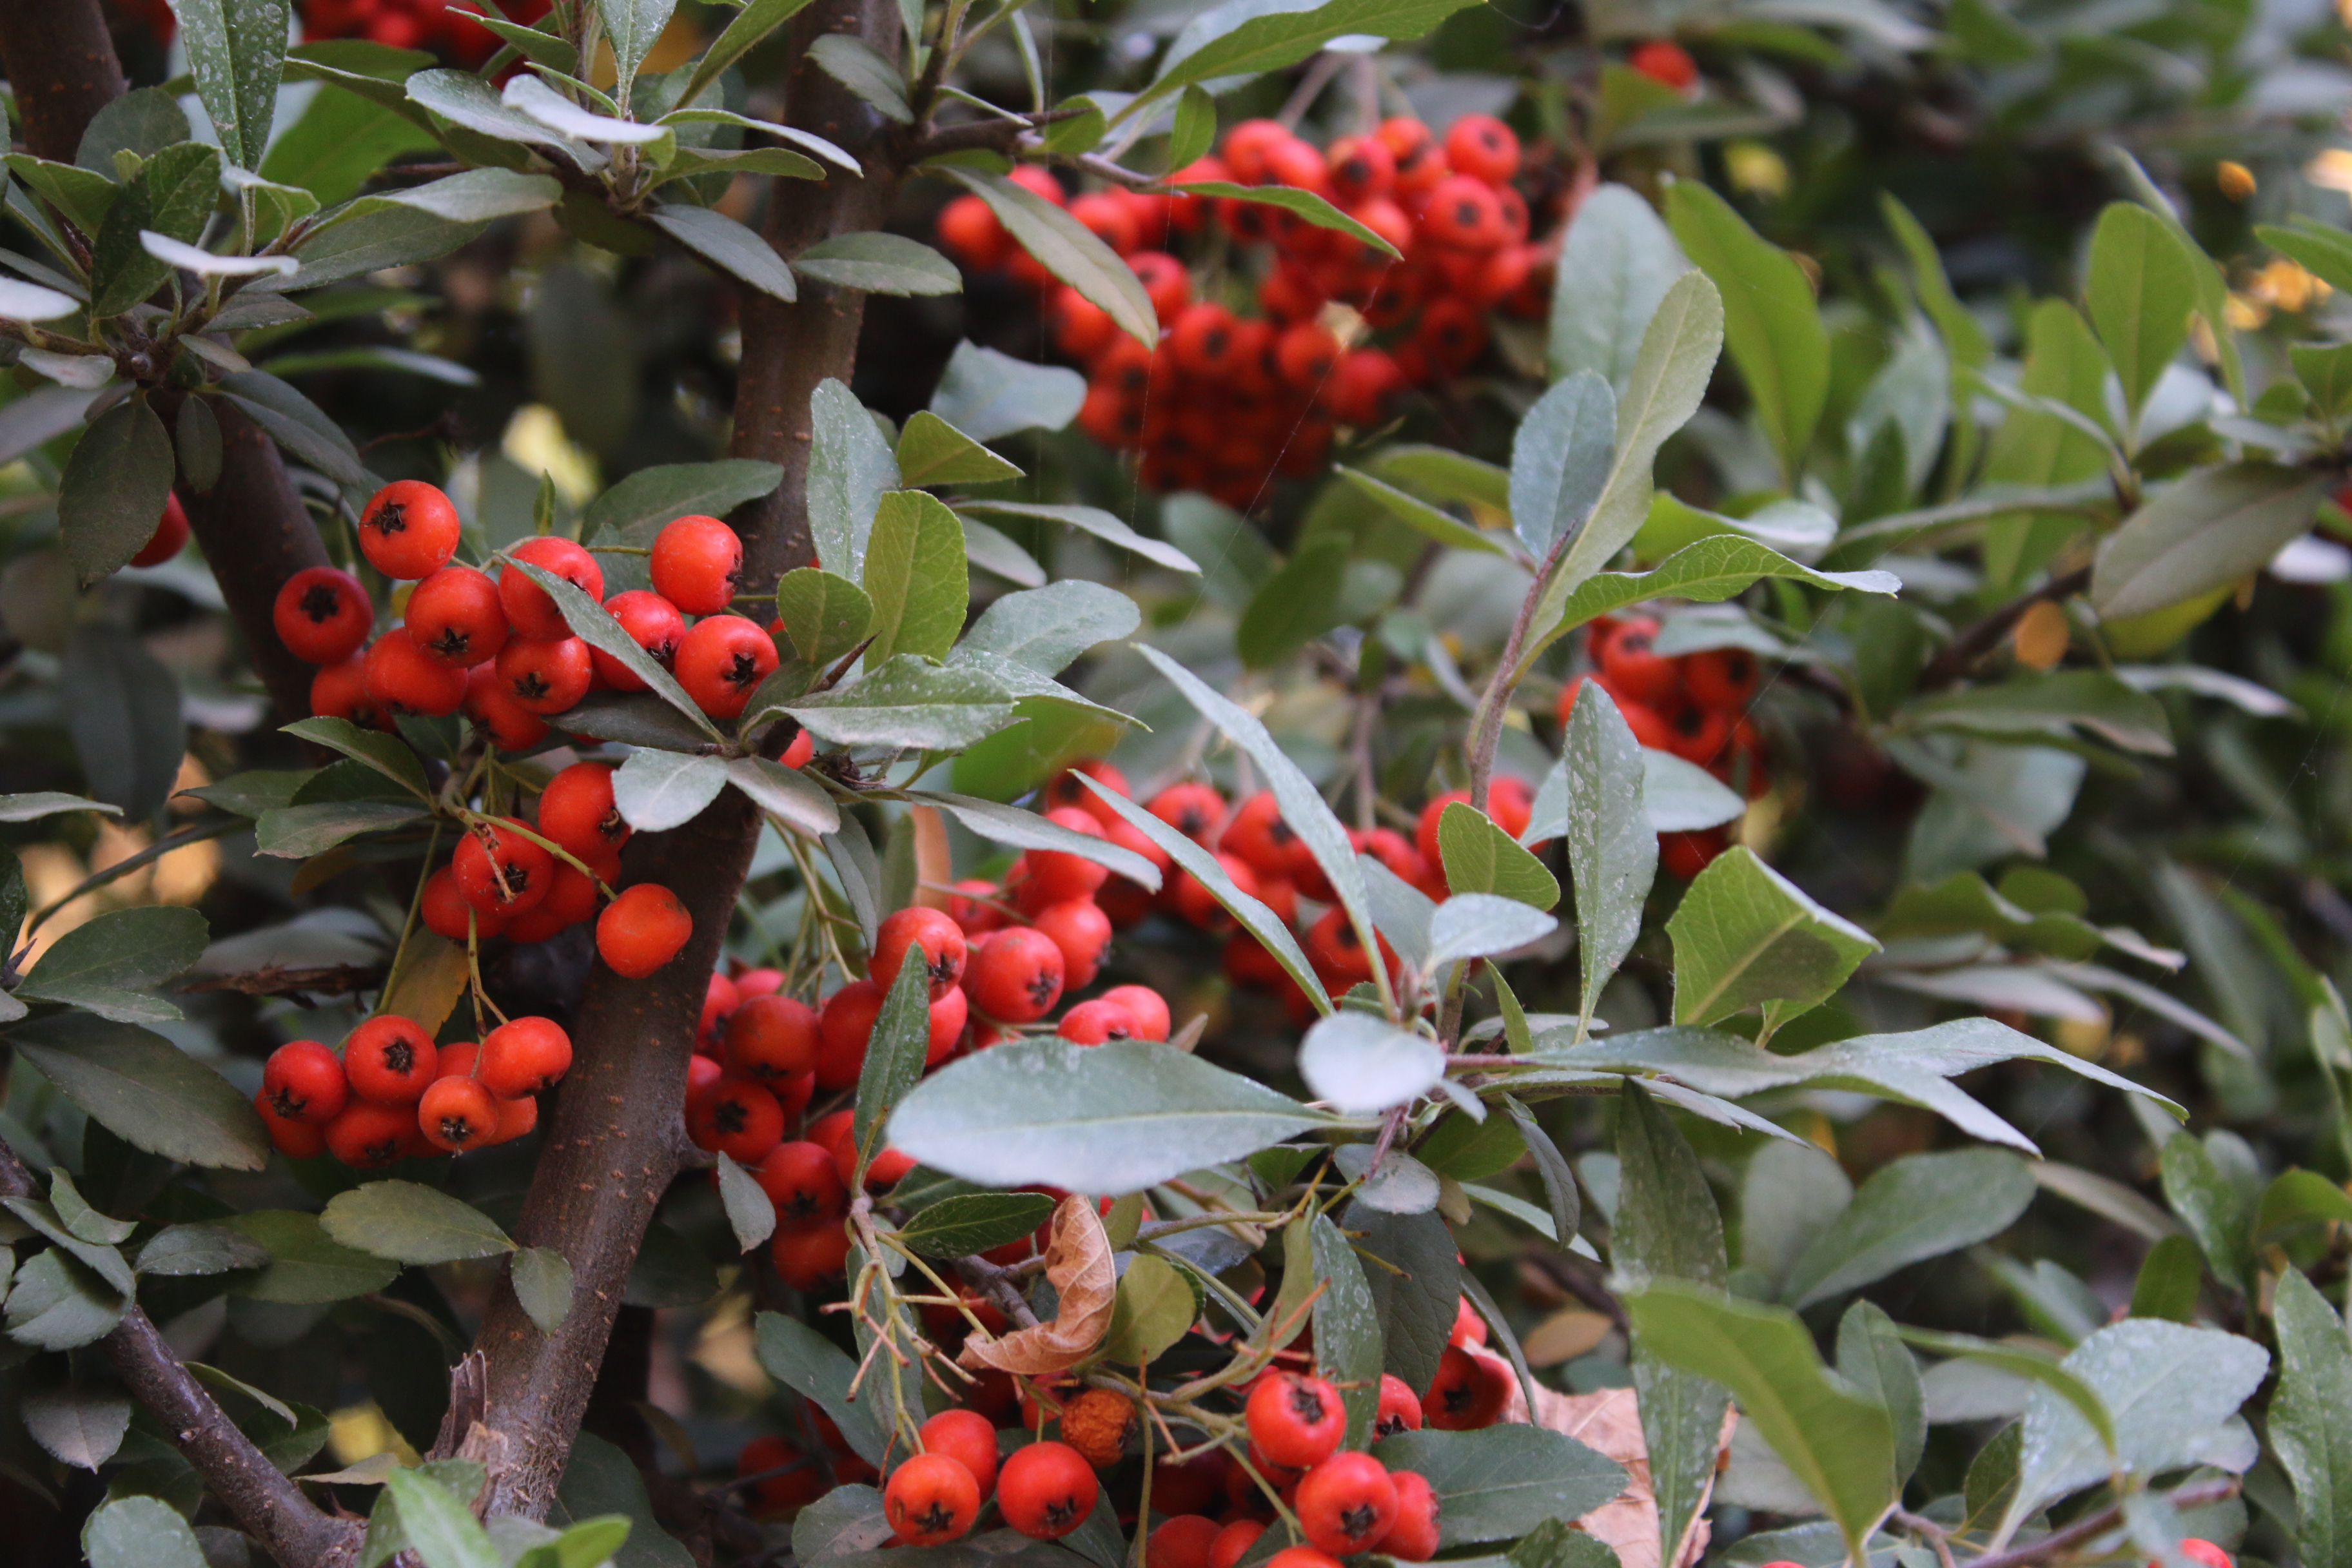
(611, 826)
(452, 643)
(530, 686)
(382, 1153)
(1061, 1510)
(729, 1115)
(1306, 1403)
(743, 671)
(322, 604)
(1358, 1521)
(1041, 988)
(399, 1056)
(458, 1130)
(941, 970)
(288, 1104)
(388, 519)
(936, 1518)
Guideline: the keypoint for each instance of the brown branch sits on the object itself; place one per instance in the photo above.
(997, 1284)
(1955, 659)
(265, 1504)
(2092, 1525)
(615, 1139)
(61, 63)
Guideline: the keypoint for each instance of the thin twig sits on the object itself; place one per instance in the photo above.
(2091, 1526)
(1957, 657)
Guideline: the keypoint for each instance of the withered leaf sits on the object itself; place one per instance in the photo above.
(1078, 1264)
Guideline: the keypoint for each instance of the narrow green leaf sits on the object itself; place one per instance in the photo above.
(1069, 251)
(1480, 858)
(114, 487)
(411, 1223)
(2307, 1428)
(2142, 287)
(894, 1055)
(915, 576)
(1612, 846)
(1917, 1207)
(1770, 322)
(1745, 934)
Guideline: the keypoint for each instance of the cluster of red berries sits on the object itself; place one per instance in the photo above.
(1694, 705)
(1265, 859)
(1228, 400)
(436, 25)
(498, 647)
(393, 1093)
(762, 1056)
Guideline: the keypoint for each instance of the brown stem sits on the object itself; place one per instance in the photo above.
(614, 1140)
(2094, 1525)
(61, 63)
(270, 1508)
(998, 1286)
(1957, 657)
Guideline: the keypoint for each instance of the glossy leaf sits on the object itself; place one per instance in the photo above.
(1770, 322)
(987, 394)
(1745, 934)
(974, 1222)
(849, 468)
(1498, 1483)
(656, 791)
(1097, 522)
(1871, 1356)
(1239, 37)
(811, 1365)
(915, 576)
(2208, 530)
(140, 1532)
(114, 487)
(1360, 1065)
(894, 1055)
(1560, 458)
(1069, 251)
(1611, 832)
(735, 250)
(933, 452)
(824, 615)
(1917, 1207)
(908, 702)
(2306, 1417)
(146, 1091)
(1480, 858)
(308, 1267)
(2142, 287)
(874, 262)
(411, 1223)
(1616, 263)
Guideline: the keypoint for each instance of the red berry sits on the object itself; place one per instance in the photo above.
(844, 1024)
(456, 617)
(796, 1488)
(1195, 810)
(800, 1181)
(295, 1140)
(403, 678)
(366, 1135)
(1082, 932)
(770, 1038)
(1046, 1490)
(171, 535)
(1296, 1421)
(1470, 1390)
(1190, 898)
(1301, 1557)
(389, 1060)
(971, 234)
(1306, 354)
(1164, 280)
(1483, 147)
(322, 614)
(797, 754)
(340, 691)
(737, 1118)
(1016, 975)
(499, 870)
(1414, 1537)
(497, 715)
(1110, 220)
(651, 623)
(1145, 1006)
(1095, 1023)
(695, 563)
(940, 940)
(1064, 789)
(1259, 836)
(1462, 212)
(530, 610)
(1665, 62)
(1233, 1541)
(930, 1500)
(1633, 669)
(965, 1436)
(1347, 1503)
(1400, 1408)
(949, 1013)
(443, 908)
(457, 1114)
(1685, 855)
(722, 661)
(408, 529)
(303, 1081)
(642, 929)
(2204, 1551)
(1361, 167)
(1056, 874)
(524, 1056)
(808, 1259)
(1183, 1542)
(1720, 676)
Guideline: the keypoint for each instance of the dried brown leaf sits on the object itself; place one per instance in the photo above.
(1610, 1421)
(1078, 1265)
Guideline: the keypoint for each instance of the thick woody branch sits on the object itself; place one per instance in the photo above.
(614, 1140)
(61, 63)
(268, 1507)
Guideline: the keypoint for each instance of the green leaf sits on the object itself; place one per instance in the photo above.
(894, 1055)
(1303, 205)
(2169, 1388)
(1839, 1445)
(1346, 1326)
(1480, 858)
(2169, 1279)
(478, 195)
(1666, 1226)
(1026, 830)
(1917, 1207)
(1069, 251)
(2295, 1201)
(967, 1223)
(79, 194)
(1613, 845)
(1418, 1292)
(2205, 531)
(183, 1250)
(786, 794)
(1669, 380)
(461, 98)
(2026, 1361)
(634, 26)
(1409, 509)
(1617, 262)
(1097, 522)
(234, 49)
(1244, 37)
(824, 615)
(1272, 931)
(437, 1526)
(146, 1091)
(1194, 130)
(1498, 1483)
(637, 509)
(854, 64)
(297, 424)
(37, 803)
(1770, 322)
(850, 468)
(338, 140)
(933, 452)
(908, 702)
(1154, 1309)
(1296, 606)
(809, 1366)
(1467, 925)
(657, 791)
(102, 965)
(393, 236)
(592, 623)
(140, 1532)
(1560, 458)
(1114, 1118)
(2210, 1205)
(1712, 570)
(844, 1523)
(542, 1278)
(1870, 1356)
(1047, 628)
(742, 33)
(1360, 1064)
(299, 832)
(56, 1303)
(411, 1223)
(2306, 1417)
(308, 1265)
(1745, 934)
(988, 395)
(2142, 287)
(874, 262)
(1302, 804)
(387, 755)
(114, 487)
(915, 576)
(735, 250)
(173, 195)
(750, 1213)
